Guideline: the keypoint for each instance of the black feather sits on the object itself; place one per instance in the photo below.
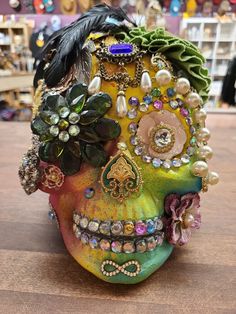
(69, 41)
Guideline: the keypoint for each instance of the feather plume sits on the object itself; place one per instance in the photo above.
(68, 42)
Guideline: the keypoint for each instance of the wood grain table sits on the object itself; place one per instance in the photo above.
(37, 275)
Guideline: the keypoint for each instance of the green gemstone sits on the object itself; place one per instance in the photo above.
(74, 118)
(51, 102)
(193, 141)
(76, 90)
(64, 112)
(74, 130)
(50, 151)
(63, 124)
(156, 92)
(69, 163)
(95, 155)
(64, 136)
(78, 103)
(54, 130)
(38, 126)
(100, 102)
(88, 117)
(107, 129)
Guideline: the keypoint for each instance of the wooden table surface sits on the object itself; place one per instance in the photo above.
(37, 275)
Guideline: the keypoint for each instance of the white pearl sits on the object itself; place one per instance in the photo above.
(182, 86)
(146, 82)
(213, 178)
(200, 115)
(205, 152)
(95, 85)
(193, 100)
(203, 135)
(163, 77)
(121, 106)
(199, 169)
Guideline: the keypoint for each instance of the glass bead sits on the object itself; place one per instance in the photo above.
(89, 193)
(64, 136)
(74, 130)
(74, 118)
(54, 119)
(63, 124)
(54, 130)
(64, 112)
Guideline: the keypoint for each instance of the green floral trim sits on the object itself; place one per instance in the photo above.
(185, 56)
(72, 129)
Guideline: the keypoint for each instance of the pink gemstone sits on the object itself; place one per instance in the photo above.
(184, 112)
(140, 228)
(158, 105)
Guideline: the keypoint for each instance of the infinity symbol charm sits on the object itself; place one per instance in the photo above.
(120, 268)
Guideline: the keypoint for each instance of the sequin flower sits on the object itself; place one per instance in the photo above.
(72, 129)
(182, 216)
(162, 134)
(52, 177)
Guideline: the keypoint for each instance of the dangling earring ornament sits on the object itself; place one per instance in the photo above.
(121, 176)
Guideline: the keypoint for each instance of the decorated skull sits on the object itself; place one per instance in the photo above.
(120, 143)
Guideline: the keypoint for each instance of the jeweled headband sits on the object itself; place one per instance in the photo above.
(119, 142)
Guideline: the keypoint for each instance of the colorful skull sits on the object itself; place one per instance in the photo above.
(120, 145)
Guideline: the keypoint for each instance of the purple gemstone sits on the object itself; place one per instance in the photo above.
(184, 112)
(140, 228)
(158, 105)
(121, 49)
(133, 101)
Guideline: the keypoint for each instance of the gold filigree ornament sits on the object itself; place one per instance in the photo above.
(121, 176)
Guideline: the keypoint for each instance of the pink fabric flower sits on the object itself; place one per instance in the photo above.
(151, 122)
(182, 215)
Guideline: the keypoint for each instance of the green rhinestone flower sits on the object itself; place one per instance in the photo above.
(72, 129)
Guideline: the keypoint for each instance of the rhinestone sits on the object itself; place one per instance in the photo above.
(64, 112)
(93, 242)
(51, 215)
(105, 227)
(190, 150)
(77, 232)
(158, 104)
(128, 228)
(159, 239)
(93, 225)
(132, 113)
(141, 246)
(189, 121)
(158, 224)
(185, 159)
(132, 128)
(64, 136)
(74, 130)
(156, 162)
(162, 137)
(176, 162)
(128, 247)
(151, 243)
(180, 102)
(167, 164)
(147, 99)
(174, 104)
(134, 140)
(164, 98)
(156, 92)
(138, 150)
(184, 112)
(193, 141)
(160, 64)
(151, 226)
(105, 245)
(147, 159)
(116, 247)
(74, 118)
(89, 193)
(63, 124)
(84, 238)
(121, 48)
(140, 228)
(192, 130)
(117, 228)
(54, 130)
(143, 107)
(76, 218)
(133, 101)
(84, 222)
(170, 92)
(54, 118)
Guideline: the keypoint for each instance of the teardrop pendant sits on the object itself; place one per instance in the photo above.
(121, 106)
(146, 82)
(95, 85)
